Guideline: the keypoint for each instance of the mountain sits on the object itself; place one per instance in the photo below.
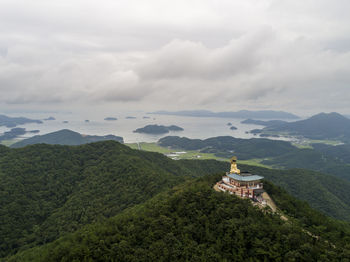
(65, 137)
(192, 222)
(239, 114)
(158, 129)
(14, 121)
(47, 191)
(322, 126)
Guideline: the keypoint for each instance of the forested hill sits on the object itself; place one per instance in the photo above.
(48, 190)
(195, 223)
(65, 137)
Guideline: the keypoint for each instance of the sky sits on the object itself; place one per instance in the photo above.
(223, 55)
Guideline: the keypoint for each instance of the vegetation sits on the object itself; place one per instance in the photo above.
(65, 137)
(49, 190)
(195, 223)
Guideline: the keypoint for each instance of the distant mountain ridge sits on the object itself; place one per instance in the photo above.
(264, 114)
(320, 126)
(263, 123)
(65, 137)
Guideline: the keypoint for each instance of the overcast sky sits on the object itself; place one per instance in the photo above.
(223, 55)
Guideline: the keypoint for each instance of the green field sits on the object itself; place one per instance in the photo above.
(190, 154)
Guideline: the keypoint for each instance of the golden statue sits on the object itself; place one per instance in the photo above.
(234, 168)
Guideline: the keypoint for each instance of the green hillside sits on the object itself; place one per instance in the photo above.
(47, 191)
(195, 223)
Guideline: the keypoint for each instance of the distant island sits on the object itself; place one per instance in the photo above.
(130, 117)
(233, 128)
(229, 124)
(65, 137)
(158, 129)
(14, 121)
(111, 118)
(146, 117)
(263, 123)
(267, 114)
(50, 118)
(65, 122)
(87, 121)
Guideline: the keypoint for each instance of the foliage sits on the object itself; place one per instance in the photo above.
(46, 190)
(195, 223)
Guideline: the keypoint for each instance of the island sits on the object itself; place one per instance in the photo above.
(158, 129)
(14, 121)
(130, 117)
(16, 132)
(146, 117)
(233, 128)
(87, 121)
(229, 124)
(110, 119)
(65, 122)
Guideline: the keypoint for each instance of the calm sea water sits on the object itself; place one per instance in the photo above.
(194, 127)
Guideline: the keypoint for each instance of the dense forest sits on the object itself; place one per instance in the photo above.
(192, 222)
(49, 191)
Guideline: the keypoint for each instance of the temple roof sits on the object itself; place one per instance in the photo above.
(249, 177)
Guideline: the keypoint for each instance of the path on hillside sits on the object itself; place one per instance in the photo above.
(269, 202)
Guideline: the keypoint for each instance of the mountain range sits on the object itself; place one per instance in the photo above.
(322, 126)
(65, 137)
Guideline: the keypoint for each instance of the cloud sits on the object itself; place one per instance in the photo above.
(181, 54)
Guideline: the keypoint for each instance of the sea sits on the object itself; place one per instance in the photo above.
(127, 122)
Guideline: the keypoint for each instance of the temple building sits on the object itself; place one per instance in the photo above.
(242, 184)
